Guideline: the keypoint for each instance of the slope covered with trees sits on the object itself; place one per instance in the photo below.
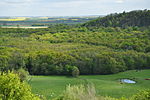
(70, 50)
(134, 18)
(59, 52)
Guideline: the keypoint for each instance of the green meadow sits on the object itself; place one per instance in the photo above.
(106, 85)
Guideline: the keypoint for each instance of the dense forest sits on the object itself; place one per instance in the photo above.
(134, 18)
(63, 49)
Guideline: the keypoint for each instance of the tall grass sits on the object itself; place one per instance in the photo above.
(81, 92)
(88, 92)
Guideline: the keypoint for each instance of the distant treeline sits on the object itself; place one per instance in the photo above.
(49, 21)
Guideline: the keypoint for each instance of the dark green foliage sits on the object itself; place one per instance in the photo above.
(125, 19)
(108, 65)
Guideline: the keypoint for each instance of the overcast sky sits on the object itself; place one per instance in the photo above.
(69, 7)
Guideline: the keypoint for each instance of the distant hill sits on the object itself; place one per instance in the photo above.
(134, 18)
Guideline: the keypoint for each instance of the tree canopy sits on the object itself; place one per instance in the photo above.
(92, 50)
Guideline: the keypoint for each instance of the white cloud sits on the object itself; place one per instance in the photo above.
(120, 1)
(78, 3)
(68, 7)
(16, 1)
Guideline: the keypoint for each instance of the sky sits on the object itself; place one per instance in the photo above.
(69, 7)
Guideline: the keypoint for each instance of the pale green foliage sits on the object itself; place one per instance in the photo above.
(11, 88)
(143, 95)
(80, 92)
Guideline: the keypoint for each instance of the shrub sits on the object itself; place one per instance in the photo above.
(71, 70)
(75, 71)
(11, 88)
(23, 74)
(67, 70)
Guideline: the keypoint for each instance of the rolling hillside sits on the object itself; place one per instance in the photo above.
(134, 18)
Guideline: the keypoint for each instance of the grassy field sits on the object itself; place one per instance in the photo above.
(14, 19)
(106, 85)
